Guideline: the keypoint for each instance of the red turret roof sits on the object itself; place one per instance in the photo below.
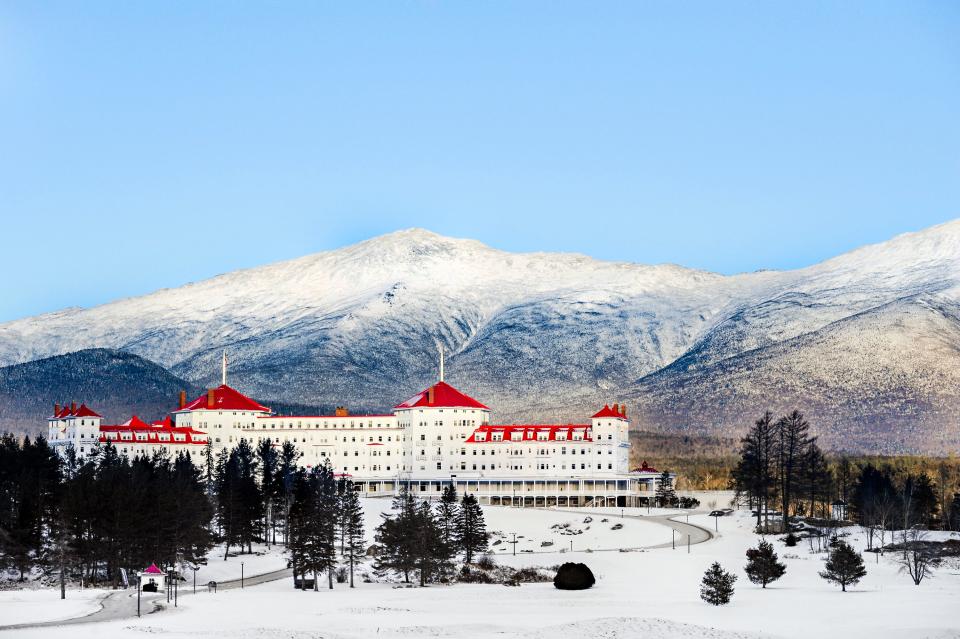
(153, 570)
(78, 411)
(84, 411)
(606, 411)
(444, 396)
(225, 398)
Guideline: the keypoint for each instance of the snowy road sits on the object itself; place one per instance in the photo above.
(122, 604)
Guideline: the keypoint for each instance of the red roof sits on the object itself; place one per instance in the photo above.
(531, 432)
(64, 412)
(444, 396)
(226, 398)
(153, 431)
(83, 411)
(153, 570)
(645, 469)
(606, 411)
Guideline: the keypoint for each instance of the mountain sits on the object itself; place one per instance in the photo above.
(114, 383)
(864, 343)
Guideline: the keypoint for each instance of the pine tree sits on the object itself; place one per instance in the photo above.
(300, 517)
(283, 484)
(431, 553)
(470, 531)
(717, 585)
(395, 537)
(754, 473)
(665, 494)
(325, 522)
(762, 564)
(447, 511)
(792, 442)
(351, 516)
(268, 461)
(844, 566)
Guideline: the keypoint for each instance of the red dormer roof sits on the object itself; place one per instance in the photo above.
(532, 432)
(606, 411)
(153, 570)
(225, 398)
(84, 411)
(64, 412)
(644, 468)
(137, 425)
(444, 396)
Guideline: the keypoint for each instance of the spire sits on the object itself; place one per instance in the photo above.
(441, 362)
(223, 371)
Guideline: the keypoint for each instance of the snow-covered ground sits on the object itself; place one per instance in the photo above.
(32, 606)
(650, 593)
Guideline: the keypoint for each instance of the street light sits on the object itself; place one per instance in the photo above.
(195, 569)
(241, 574)
(138, 595)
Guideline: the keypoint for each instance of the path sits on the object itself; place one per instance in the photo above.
(698, 534)
(122, 604)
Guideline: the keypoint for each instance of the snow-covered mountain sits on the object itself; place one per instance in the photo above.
(866, 343)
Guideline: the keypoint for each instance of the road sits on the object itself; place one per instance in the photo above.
(122, 604)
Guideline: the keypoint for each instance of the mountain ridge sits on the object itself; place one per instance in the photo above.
(538, 335)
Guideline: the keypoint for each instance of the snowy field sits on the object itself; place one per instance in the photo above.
(31, 606)
(651, 593)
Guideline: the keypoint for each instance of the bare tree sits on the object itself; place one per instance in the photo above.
(916, 561)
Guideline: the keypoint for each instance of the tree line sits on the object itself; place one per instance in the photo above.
(782, 472)
(95, 518)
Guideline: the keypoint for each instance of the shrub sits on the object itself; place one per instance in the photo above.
(791, 540)
(573, 576)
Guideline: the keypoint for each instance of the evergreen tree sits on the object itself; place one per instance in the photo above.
(470, 531)
(283, 484)
(754, 473)
(268, 459)
(396, 543)
(717, 585)
(844, 566)
(447, 511)
(792, 443)
(325, 522)
(762, 564)
(351, 516)
(955, 512)
(665, 494)
(432, 554)
(300, 518)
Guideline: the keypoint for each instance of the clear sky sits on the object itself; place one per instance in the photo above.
(148, 144)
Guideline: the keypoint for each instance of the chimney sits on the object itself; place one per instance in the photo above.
(341, 411)
(616, 408)
(210, 398)
(623, 410)
(56, 410)
(183, 399)
(430, 395)
(73, 407)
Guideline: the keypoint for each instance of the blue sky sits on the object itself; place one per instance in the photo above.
(145, 145)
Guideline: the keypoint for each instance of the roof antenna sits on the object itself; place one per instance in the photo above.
(441, 362)
(223, 368)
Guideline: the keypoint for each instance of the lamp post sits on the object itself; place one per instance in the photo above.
(195, 569)
(241, 575)
(176, 589)
(138, 594)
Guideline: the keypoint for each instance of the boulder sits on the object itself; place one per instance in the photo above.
(573, 576)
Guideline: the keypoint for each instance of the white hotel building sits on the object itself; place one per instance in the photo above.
(437, 437)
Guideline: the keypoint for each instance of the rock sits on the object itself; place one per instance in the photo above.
(573, 576)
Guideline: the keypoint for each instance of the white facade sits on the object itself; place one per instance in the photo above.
(438, 436)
